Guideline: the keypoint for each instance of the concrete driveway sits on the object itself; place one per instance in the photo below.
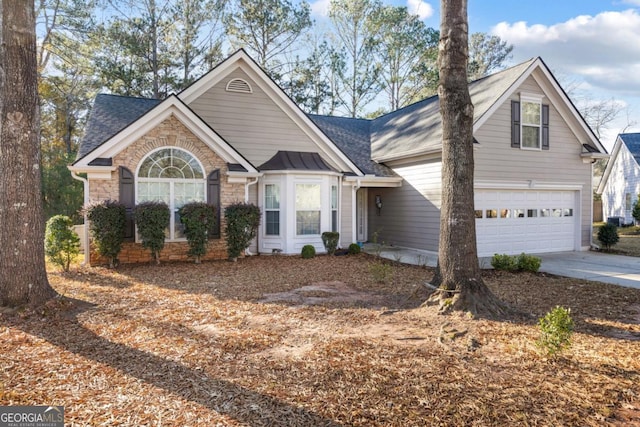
(596, 266)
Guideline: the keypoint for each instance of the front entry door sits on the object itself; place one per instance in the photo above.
(361, 215)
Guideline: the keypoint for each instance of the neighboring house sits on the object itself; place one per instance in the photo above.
(620, 184)
(234, 135)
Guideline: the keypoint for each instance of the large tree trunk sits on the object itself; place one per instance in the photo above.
(23, 278)
(461, 285)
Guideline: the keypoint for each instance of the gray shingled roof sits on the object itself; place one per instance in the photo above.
(352, 136)
(417, 128)
(632, 141)
(109, 115)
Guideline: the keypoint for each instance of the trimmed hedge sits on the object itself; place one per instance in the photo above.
(330, 241)
(152, 219)
(107, 225)
(308, 252)
(199, 221)
(243, 220)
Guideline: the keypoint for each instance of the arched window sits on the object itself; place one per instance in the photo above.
(173, 176)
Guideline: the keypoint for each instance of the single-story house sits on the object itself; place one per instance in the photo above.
(620, 183)
(234, 135)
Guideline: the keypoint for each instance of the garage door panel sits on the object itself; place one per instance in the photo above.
(527, 221)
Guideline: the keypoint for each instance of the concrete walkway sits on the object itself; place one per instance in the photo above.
(595, 266)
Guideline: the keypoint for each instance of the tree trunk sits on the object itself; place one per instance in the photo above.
(23, 277)
(458, 267)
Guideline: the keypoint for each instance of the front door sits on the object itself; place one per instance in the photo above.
(361, 215)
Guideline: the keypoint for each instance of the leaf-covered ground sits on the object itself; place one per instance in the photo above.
(281, 341)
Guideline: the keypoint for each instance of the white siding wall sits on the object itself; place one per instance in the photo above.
(495, 160)
(410, 215)
(624, 178)
(252, 123)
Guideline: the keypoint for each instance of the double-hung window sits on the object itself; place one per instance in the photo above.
(530, 123)
(173, 176)
(272, 209)
(308, 207)
(334, 208)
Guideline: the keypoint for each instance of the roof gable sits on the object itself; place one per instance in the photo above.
(417, 128)
(241, 61)
(625, 141)
(139, 126)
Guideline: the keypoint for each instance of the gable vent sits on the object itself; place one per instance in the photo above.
(239, 85)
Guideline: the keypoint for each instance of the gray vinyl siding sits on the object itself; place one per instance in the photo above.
(252, 123)
(495, 160)
(410, 215)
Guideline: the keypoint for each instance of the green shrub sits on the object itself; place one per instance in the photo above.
(308, 252)
(528, 262)
(199, 220)
(354, 249)
(522, 262)
(504, 262)
(636, 211)
(152, 219)
(107, 225)
(380, 271)
(556, 328)
(61, 243)
(608, 235)
(243, 220)
(330, 241)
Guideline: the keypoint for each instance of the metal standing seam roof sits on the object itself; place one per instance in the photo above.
(295, 160)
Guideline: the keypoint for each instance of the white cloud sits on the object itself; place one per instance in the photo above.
(320, 8)
(604, 49)
(418, 7)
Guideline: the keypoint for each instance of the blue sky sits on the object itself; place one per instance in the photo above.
(594, 44)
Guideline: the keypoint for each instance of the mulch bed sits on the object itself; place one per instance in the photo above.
(281, 341)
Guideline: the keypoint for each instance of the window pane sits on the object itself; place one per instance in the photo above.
(530, 137)
(307, 222)
(531, 113)
(505, 213)
(308, 197)
(532, 213)
(567, 212)
(334, 221)
(478, 214)
(544, 212)
(272, 222)
(518, 213)
(557, 213)
(271, 196)
(491, 213)
(334, 197)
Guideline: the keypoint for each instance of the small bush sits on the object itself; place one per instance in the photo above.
(61, 243)
(308, 252)
(330, 241)
(528, 263)
(636, 211)
(243, 220)
(354, 249)
(152, 219)
(380, 271)
(608, 235)
(504, 262)
(522, 262)
(556, 328)
(107, 225)
(199, 220)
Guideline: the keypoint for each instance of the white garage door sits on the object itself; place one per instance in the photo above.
(512, 222)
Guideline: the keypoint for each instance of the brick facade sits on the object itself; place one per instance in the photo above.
(169, 133)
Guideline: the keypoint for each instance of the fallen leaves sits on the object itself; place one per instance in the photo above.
(212, 344)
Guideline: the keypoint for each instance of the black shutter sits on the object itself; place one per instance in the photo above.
(545, 127)
(128, 199)
(213, 198)
(515, 124)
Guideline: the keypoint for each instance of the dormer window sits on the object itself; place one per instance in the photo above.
(239, 85)
(530, 123)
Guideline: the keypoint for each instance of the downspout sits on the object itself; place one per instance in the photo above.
(246, 200)
(85, 237)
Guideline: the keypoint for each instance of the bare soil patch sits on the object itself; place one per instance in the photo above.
(271, 341)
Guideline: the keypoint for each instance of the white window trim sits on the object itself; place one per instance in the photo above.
(279, 209)
(531, 99)
(171, 182)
